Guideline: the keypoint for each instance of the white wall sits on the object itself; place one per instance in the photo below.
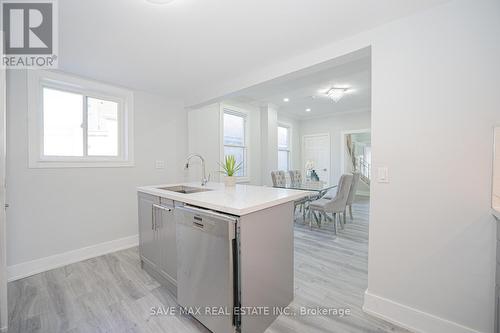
(53, 211)
(432, 235)
(204, 137)
(435, 79)
(335, 125)
(204, 128)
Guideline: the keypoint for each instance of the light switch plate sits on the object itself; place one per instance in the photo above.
(383, 175)
(160, 164)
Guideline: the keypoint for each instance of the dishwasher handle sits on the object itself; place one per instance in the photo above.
(154, 225)
(206, 212)
(168, 209)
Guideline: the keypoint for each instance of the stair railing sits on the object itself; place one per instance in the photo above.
(364, 168)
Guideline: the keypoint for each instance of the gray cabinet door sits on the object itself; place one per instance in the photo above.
(148, 239)
(168, 247)
(497, 309)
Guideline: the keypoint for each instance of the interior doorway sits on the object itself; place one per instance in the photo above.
(356, 156)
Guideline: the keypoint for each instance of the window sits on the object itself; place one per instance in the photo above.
(283, 148)
(234, 138)
(78, 123)
(62, 123)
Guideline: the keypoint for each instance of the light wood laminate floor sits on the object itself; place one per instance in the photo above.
(112, 294)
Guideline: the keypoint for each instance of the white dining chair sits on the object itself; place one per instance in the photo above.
(296, 179)
(278, 178)
(335, 206)
(295, 176)
(352, 193)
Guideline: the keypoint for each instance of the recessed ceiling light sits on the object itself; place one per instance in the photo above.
(308, 110)
(286, 99)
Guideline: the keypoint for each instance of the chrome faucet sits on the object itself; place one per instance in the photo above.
(204, 179)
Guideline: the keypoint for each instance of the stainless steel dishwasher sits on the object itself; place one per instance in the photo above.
(207, 267)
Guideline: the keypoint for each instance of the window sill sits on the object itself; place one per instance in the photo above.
(242, 180)
(79, 164)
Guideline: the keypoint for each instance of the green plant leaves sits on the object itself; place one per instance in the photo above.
(229, 167)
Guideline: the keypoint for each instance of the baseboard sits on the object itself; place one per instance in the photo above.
(28, 268)
(409, 318)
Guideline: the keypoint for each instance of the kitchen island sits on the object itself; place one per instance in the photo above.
(225, 252)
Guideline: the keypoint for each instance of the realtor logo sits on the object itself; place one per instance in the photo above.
(30, 33)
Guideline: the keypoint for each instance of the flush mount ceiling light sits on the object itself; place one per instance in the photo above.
(308, 110)
(160, 2)
(286, 99)
(336, 93)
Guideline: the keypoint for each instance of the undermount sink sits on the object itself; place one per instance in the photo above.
(184, 189)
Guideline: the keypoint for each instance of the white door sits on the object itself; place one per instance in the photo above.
(316, 148)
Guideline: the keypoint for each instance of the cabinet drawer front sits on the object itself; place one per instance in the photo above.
(166, 202)
(167, 246)
(147, 233)
(497, 310)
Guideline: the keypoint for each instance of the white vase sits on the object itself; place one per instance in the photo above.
(230, 181)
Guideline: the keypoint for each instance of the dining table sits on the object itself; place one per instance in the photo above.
(318, 188)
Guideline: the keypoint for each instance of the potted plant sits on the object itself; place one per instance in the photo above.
(230, 168)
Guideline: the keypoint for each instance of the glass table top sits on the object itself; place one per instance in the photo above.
(309, 186)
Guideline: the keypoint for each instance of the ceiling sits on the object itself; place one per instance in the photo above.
(194, 44)
(307, 90)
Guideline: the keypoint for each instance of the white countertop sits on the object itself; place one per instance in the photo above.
(239, 200)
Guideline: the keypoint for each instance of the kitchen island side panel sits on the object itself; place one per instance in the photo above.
(266, 263)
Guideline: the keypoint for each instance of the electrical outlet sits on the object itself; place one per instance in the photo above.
(160, 164)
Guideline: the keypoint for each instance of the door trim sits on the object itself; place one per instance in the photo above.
(303, 150)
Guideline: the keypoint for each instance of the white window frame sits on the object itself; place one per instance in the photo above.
(38, 80)
(230, 109)
(289, 147)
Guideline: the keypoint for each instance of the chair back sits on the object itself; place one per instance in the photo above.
(295, 176)
(354, 188)
(279, 178)
(338, 203)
